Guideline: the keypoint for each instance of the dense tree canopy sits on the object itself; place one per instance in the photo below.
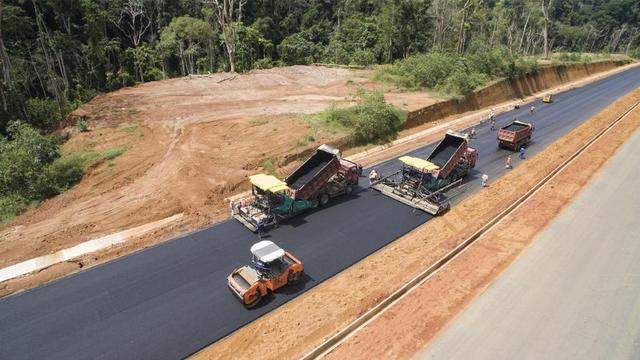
(56, 54)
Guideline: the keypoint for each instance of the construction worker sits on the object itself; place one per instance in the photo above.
(493, 125)
(522, 152)
(485, 180)
(532, 109)
(507, 165)
(260, 229)
(472, 133)
(373, 177)
(492, 115)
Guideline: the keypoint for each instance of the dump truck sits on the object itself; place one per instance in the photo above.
(423, 183)
(323, 176)
(515, 135)
(271, 268)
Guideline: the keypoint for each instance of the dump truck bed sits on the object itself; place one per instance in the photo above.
(514, 134)
(306, 174)
(447, 154)
(314, 173)
(515, 126)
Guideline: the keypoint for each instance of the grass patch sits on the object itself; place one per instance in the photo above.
(129, 128)
(89, 158)
(303, 141)
(258, 122)
(270, 166)
(129, 110)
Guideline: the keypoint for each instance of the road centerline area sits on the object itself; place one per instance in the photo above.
(171, 300)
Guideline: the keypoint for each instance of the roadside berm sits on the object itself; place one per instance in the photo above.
(305, 322)
(189, 144)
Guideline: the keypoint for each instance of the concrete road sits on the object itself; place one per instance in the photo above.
(171, 300)
(575, 292)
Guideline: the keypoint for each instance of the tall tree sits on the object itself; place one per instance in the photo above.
(229, 16)
(134, 23)
(546, 7)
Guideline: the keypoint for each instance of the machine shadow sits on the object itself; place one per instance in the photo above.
(290, 289)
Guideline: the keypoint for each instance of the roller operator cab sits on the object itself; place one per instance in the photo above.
(271, 268)
(547, 98)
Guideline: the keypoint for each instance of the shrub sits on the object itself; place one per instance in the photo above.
(375, 119)
(297, 49)
(10, 206)
(635, 53)
(24, 157)
(363, 57)
(43, 113)
(264, 63)
(427, 70)
(462, 82)
(81, 125)
(65, 172)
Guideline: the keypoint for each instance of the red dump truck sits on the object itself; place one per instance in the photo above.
(323, 176)
(515, 135)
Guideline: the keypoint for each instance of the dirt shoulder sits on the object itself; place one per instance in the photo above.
(304, 322)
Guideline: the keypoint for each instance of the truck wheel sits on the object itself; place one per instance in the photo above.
(348, 189)
(314, 202)
(324, 199)
(294, 277)
(254, 301)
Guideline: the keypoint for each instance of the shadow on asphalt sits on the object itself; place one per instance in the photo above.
(290, 289)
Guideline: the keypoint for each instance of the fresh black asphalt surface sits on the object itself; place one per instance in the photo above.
(171, 300)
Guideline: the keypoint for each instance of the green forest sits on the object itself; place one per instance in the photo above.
(57, 54)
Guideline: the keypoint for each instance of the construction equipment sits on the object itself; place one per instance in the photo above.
(547, 98)
(423, 184)
(271, 268)
(323, 176)
(515, 135)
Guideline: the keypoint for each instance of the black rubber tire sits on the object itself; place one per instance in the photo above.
(348, 189)
(315, 202)
(255, 301)
(294, 277)
(324, 199)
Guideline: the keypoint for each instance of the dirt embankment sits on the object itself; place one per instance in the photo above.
(304, 322)
(504, 90)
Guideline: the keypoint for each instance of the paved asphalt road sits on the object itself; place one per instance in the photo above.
(171, 300)
(575, 292)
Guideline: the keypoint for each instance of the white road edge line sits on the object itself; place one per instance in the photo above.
(84, 248)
